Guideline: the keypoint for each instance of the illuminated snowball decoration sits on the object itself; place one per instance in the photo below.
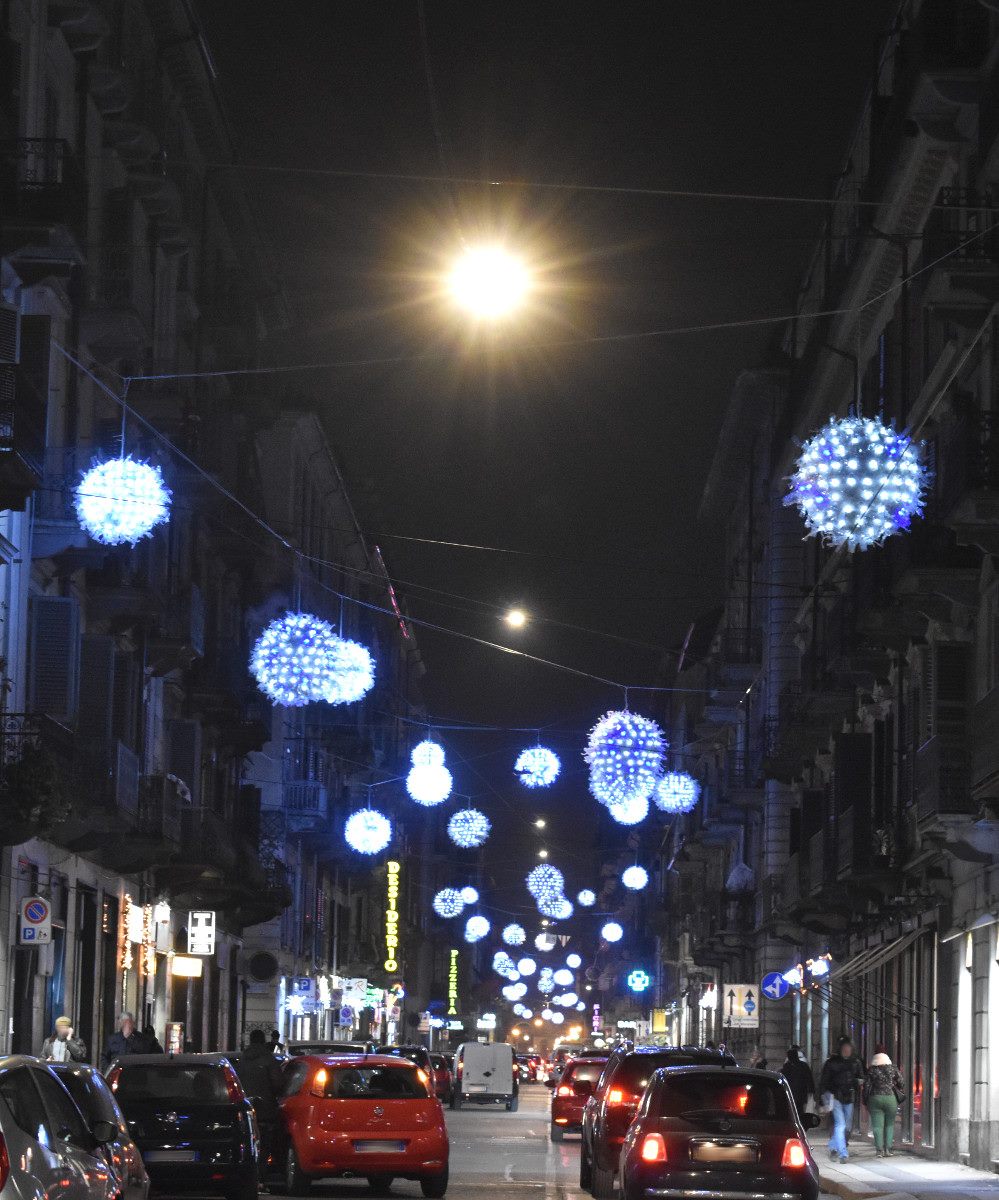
(547, 1014)
(563, 909)
(527, 966)
(476, 928)
(857, 482)
(612, 932)
(520, 990)
(429, 785)
(569, 999)
(468, 828)
(351, 672)
(677, 792)
(508, 992)
(586, 898)
(557, 1018)
(527, 1013)
(121, 501)
(635, 878)
(427, 754)
(630, 812)
(448, 903)
(545, 942)
(581, 1007)
(537, 767)
(550, 906)
(519, 1009)
(502, 963)
(573, 961)
(367, 831)
(625, 754)
(292, 659)
(469, 895)
(545, 882)
(546, 985)
(515, 935)
(563, 977)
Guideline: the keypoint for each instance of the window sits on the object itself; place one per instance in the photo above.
(295, 1075)
(375, 1083)
(65, 1116)
(585, 1072)
(204, 1085)
(25, 1105)
(90, 1094)
(705, 1094)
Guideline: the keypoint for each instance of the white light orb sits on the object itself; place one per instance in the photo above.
(476, 928)
(563, 977)
(367, 831)
(518, 1009)
(468, 828)
(635, 878)
(624, 753)
(537, 767)
(489, 282)
(527, 1013)
(545, 882)
(573, 961)
(546, 985)
(563, 909)
(121, 501)
(857, 482)
(545, 942)
(429, 785)
(527, 966)
(612, 932)
(502, 962)
(448, 903)
(469, 894)
(569, 999)
(520, 989)
(427, 754)
(557, 1018)
(586, 898)
(630, 812)
(292, 659)
(514, 935)
(581, 1007)
(546, 1014)
(676, 792)
(351, 672)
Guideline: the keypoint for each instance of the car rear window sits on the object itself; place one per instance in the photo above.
(693, 1095)
(586, 1071)
(635, 1071)
(375, 1083)
(194, 1085)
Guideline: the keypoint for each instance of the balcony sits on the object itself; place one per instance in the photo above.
(941, 779)
(968, 483)
(119, 315)
(23, 414)
(306, 804)
(962, 228)
(180, 638)
(42, 187)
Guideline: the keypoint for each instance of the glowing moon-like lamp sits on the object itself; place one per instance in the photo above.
(612, 932)
(635, 878)
(367, 831)
(537, 767)
(121, 501)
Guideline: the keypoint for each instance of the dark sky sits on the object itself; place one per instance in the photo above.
(590, 457)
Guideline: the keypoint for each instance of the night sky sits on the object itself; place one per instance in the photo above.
(589, 458)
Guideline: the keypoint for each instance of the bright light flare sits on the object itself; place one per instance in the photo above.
(516, 618)
(489, 282)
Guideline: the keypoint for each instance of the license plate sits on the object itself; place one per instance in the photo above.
(723, 1152)
(475, 1087)
(379, 1147)
(171, 1156)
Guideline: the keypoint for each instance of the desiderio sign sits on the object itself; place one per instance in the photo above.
(391, 963)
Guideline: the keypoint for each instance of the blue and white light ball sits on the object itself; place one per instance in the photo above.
(676, 792)
(537, 767)
(292, 659)
(545, 942)
(625, 754)
(563, 977)
(429, 782)
(587, 898)
(121, 501)
(545, 882)
(612, 932)
(448, 903)
(635, 878)
(573, 961)
(527, 966)
(857, 482)
(469, 894)
(468, 828)
(514, 934)
(476, 928)
(629, 812)
(351, 672)
(367, 831)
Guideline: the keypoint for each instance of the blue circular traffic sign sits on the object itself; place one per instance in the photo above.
(36, 911)
(774, 986)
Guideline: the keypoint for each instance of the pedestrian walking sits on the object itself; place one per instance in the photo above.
(125, 1040)
(841, 1075)
(62, 1046)
(277, 1046)
(261, 1078)
(799, 1078)
(883, 1092)
(150, 1042)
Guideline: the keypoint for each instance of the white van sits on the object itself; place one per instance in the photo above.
(484, 1073)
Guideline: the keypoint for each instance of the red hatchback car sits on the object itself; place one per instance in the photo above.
(368, 1116)
(570, 1092)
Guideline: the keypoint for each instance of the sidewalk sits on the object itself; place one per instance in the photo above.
(901, 1177)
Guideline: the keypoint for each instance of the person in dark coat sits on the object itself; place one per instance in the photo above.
(261, 1077)
(799, 1078)
(125, 1040)
(841, 1076)
(150, 1042)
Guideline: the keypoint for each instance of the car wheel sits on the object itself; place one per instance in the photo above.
(380, 1184)
(296, 1182)
(556, 1132)
(434, 1186)
(513, 1104)
(603, 1183)
(585, 1169)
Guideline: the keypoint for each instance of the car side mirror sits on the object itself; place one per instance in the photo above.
(812, 1121)
(104, 1131)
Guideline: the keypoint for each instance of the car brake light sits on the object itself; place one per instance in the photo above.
(422, 1076)
(653, 1148)
(617, 1096)
(232, 1084)
(564, 1090)
(795, 1154)
(113, 1078)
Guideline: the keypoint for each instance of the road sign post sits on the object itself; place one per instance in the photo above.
(740, 1006)
(36, 922)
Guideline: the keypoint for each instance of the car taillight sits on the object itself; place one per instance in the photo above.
(232, 1084)
(617, 1096)
(653, 1148)
(113, 1076)
(795, 1154)
(564, 1090)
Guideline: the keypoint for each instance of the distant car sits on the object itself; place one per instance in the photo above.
(373, 1117)
(416, 1054)
(570, 1091)
(486, 1073)
(528, 1069)
(714, 1131)
(443, 1082)
(296, 1049)
(193, 1125)
(94, 1098)
(615, 1099)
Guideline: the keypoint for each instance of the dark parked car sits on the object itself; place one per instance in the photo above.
(443, 1079)
(297, 1049)
(570, 1091)
(416, 1054)
(612, 1106)
(95, 1100)
(717, 1132)
(191, 1121)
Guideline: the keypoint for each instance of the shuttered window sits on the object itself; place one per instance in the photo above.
(54, 652)
(185, 755)
(97, 679)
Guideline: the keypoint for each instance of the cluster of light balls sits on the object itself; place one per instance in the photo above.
(429, 782)
(299, 660)
(625, 754)
(121, 501)
(476, 928)
(504, 965)
(468, 828)
(635, 878)
(537, 767)
(676, 792)
(857, 482)
(515, 991)
(514, 935)
(547, 885)
(367, 831)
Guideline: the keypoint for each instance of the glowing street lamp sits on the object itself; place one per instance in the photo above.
(489, 282)
(516, 618)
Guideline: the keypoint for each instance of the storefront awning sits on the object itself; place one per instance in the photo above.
(873, 957)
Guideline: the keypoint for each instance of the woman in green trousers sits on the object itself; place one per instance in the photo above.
(883, 1092)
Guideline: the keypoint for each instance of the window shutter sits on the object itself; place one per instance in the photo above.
(125, 697)
(97, 677)
(55, 657)
(10, 325)
(36, 353)
(185, 755)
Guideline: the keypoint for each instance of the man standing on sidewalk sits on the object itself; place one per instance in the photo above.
(838, 1083)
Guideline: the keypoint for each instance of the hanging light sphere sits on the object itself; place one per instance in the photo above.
(515, 935)
(545, 942)
(367, 831)
(509, 993)
(537, 767)
(612, 932)
(429, 785)
(448, 903)
(527, 966)
(503, 964)
(292, 659)
(625, 753)
(586, 898)
(121, 501)
(527, 1013)
(635, 878)
(468, 828)
(519, 1009)
(427, 754)
(857, 482)
(581, 1007)
(513, 975)
(545, 882)
(563, 977)
(550, 906)
(569, 999)
(520, 990)
(573, 961)
(677, 792)
(351, 672)
(469, 894)
(557, 1018)
(547, 1014)
(560, 910)
(546, 985)
(476, 928)
(630, 812)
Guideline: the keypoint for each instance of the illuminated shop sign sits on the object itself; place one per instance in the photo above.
(392, 918)
(452, 986)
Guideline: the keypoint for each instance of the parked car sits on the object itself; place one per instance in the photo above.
(94, 1098)
(615, 1099)
(485, 1073)
(416, 1054)
(296, 1049)
(373, 1117)
(570, 1091)
(443, 1081)
(193, 1125)
(718, 1132)
(528, 1069)
(47, 1148)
